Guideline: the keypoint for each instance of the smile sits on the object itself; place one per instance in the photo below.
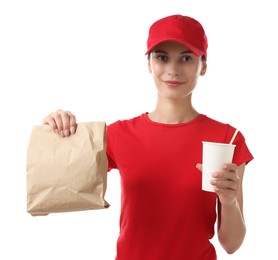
(173, 83)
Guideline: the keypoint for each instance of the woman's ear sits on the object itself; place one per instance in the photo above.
(204, 68)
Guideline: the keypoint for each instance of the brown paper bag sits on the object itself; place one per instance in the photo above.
(67, 174)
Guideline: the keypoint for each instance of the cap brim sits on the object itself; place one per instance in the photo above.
(187, 45)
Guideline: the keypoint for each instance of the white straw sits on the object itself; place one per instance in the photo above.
(234, 136)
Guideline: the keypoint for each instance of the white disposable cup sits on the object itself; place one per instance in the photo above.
(214, 156)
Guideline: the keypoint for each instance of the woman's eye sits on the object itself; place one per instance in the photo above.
(186, 58)
(162, 57)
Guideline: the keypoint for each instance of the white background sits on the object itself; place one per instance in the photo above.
(88, 57)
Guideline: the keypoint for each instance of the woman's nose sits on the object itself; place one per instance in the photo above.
(172, 69)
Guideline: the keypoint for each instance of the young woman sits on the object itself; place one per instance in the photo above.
(165, 214)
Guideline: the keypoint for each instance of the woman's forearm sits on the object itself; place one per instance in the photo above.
(232, 227)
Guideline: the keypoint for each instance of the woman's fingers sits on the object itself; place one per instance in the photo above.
(62, 122)
(227, 178)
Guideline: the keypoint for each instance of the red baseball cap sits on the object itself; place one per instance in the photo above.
(182, 29)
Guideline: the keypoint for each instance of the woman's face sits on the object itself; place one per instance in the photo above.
(175, 70)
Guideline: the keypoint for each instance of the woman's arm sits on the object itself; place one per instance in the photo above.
(231, 225)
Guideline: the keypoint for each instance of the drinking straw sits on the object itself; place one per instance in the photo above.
(234, 136)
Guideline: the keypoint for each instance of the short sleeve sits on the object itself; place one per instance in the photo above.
(242, 153)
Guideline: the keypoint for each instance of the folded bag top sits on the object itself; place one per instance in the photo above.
(67, 174)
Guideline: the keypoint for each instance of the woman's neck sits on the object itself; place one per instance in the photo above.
(173, 112)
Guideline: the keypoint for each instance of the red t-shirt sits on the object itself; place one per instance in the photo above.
(165, 214)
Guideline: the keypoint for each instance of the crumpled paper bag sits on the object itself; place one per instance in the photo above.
(67, 174)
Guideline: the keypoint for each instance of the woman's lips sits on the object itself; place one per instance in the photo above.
(173, 83)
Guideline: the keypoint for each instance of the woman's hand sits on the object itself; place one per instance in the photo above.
(62, 122)
(226, 183)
